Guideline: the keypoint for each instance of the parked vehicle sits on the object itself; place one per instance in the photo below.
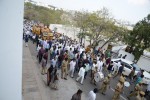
(129, 66)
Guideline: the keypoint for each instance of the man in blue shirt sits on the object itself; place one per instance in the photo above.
(139, 79)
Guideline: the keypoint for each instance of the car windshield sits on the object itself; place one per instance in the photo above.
(136, 66)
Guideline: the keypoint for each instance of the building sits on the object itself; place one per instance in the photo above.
(70, 31)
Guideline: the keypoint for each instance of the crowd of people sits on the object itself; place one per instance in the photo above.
(72, 57)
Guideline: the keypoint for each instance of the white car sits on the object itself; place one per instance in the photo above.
(129, 66)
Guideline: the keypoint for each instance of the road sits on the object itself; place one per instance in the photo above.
(68, 87)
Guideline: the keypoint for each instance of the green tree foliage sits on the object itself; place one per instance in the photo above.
(42, 14)
(139, 38)
(98, 26)
(79, 20)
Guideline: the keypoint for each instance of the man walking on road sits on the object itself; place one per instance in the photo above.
(44, 62)
(26, 39)
(100, 65)
(92, 94)
(105, 84)
(59, 60)
(33, 38)
(40, 54)
(72, 67)
(53, 62)
(49, 74)
(81, 74)
(137, 89)
(64, 69)
(118, 89)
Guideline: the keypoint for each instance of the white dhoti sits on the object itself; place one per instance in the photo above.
(71, 71)
(82, 78)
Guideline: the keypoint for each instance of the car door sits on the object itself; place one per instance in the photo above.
(127, 69)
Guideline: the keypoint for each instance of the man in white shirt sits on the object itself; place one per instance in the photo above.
(71, 55)
(67, 47)
(80, 50)
(33, 38)
(72, 48)
(100, 65)
(86, 69)
(83, 48)
(44, 44)
(92, 94)
(60, 45)
(56, 49)
(81, 74)
(47, 46)
(118, 64)
(115, 68)
(97, 58)
(84, 56)
(27, 32)
(53, 62)
(72, 67)
(94, 65)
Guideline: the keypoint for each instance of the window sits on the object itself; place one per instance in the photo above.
(117, 61)
(126, 65)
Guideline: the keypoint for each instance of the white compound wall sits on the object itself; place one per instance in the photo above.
(11, 28)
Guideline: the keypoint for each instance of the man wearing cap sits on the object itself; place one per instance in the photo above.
(105, 84)
(136, 91)
(118, 89)
(140, 96)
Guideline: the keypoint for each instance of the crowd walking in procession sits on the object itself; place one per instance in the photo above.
(74, 60)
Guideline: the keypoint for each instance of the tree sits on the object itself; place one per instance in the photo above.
(139, 38)
(79, 20)
(43, 14)
(98, 26)
(119, 33)
(81, 36)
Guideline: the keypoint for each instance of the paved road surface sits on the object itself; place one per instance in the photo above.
(35, 88)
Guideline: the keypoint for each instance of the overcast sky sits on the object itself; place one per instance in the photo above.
(127, 10)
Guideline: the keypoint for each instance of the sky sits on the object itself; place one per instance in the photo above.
(125, 10)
